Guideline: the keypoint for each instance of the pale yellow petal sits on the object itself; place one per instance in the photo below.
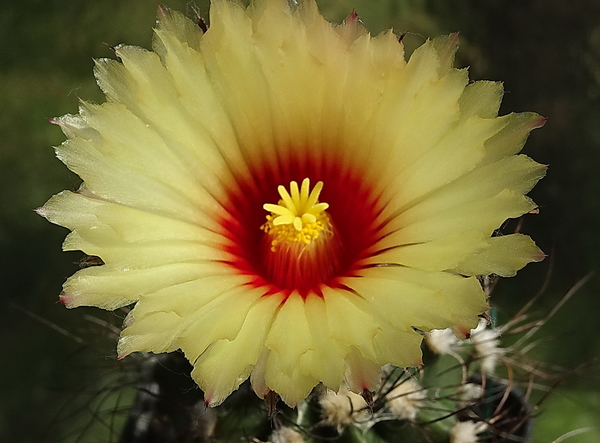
(150, 226)
(350, 324)
(482, 99)
(412, 298)
(151, 91)
(515, 173)
(199, 109)
(457, 153)
(362, 374)
(404, 122)
(289, 336)
(351, 29)
(220, 319)
(504, 256)
(483, 216)
(291, 387)
(437, 255)
(446, 47)
(182, 28)
(325, 358)
(511, 139)
(104, 229)
(227, 363)
(187, 298)
(121, 255)
(230, 60)
(398, 347)
(110, 289)
(72, 210)
(158, 319)
(257, 376)
(75, 126)
(373, 65)
(161, 336)
(111, 180)
(291, 63)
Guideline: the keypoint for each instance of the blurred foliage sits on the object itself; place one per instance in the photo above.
(547, 53)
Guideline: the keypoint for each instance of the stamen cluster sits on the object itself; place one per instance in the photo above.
(298, 217)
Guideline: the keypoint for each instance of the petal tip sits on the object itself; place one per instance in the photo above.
(66, 299)
(539, 123)
(41, 211)
(352, 17)
(462, 332)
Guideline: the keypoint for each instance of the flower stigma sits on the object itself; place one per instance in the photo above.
(298, 217)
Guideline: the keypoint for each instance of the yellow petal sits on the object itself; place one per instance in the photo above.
(484, 216)
(325, 358)
(220, 319)
(511, 139)
(110, 289)
(436, 255)
(504, 256)
(289, 336)
(411, 298)
(227, 363)
(350, 324)
(161, 337)
(182, 28)
(292, 387)
(446, 47)
(482, 99)
(398, 347)
(362, 374)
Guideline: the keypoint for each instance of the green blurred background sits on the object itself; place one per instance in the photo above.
(59, 379)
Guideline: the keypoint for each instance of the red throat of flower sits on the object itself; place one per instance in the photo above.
(290, 233)
(301, 248)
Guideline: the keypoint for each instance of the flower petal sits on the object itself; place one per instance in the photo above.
(112, 289)
(227, 363)
(504, 256)
(427, 300)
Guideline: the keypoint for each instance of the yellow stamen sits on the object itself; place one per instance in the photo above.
(298, 217)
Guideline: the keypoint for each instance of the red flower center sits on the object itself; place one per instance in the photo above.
(338, 251)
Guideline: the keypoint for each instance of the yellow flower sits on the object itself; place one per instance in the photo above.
(285, 200)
